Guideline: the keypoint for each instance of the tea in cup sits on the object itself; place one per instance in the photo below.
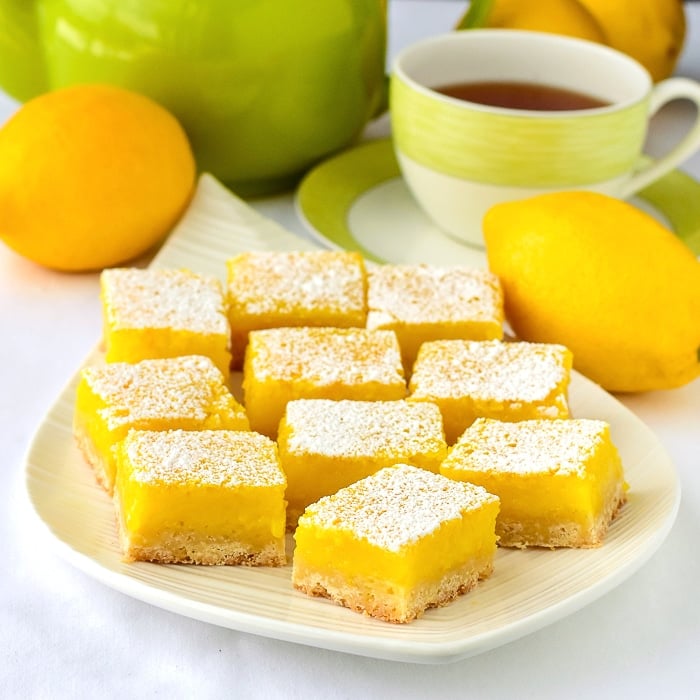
(488, 115)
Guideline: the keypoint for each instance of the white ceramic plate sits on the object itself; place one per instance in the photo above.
(357, 200)
(529, 589)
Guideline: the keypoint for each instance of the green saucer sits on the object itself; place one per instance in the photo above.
(357, 200)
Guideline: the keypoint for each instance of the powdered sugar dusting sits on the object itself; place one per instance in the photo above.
(396, 506)
(528, 447)
(284, 283)
(420, 294)
(161, 298)
(203, 457)
(363, 428)
(188, 387)
(490, 370)
(326, 356)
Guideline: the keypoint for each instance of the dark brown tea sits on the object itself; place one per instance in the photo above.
(533, 96)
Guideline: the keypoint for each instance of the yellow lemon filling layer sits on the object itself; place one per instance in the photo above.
(422, 303)
(326, 445)
(396, 543)
(560, 482)
(282, 364)
(186, 393)
(159, 313)
(510, 381)
(222, 488)
(423, 561)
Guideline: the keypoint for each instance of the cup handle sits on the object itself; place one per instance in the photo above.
(664, 92)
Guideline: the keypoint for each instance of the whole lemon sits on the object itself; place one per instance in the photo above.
(603, 278)
(651, 31)
(91, 176)
(567, 17)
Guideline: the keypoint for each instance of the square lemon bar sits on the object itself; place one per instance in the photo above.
(182, 392)
(200, 497)
(157, 313)
(326, 445)
(282, 364)
(269, 289)
(396, 543)
(509, 381)
(421, 302)
(560, 482)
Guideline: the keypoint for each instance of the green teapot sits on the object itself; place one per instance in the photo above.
(264, 88)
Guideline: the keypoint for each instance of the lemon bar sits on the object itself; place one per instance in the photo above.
(186, 392)
(269, 289)
(158, 313)
(560, 482)
(396, 543)
(326, 445)
(421, 303)
(509, 381)
(200, 497)
(282, 364)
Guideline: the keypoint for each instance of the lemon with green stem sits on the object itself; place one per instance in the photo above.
(567, 17)
(650, 31)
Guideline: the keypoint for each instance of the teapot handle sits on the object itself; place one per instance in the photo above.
(22, 72)
(476, 15)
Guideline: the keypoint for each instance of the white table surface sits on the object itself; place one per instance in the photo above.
(63, 635)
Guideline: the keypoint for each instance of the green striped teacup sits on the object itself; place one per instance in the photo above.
(459, 158)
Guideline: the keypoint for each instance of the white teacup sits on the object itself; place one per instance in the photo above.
(459, 157)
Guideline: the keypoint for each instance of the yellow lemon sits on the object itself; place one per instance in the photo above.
(651, 31)
(567, 17)
(91, 176)
(603, 278)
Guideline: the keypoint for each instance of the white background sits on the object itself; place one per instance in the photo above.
(63, 635)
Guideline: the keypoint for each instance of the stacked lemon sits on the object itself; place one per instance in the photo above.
(651, 31)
